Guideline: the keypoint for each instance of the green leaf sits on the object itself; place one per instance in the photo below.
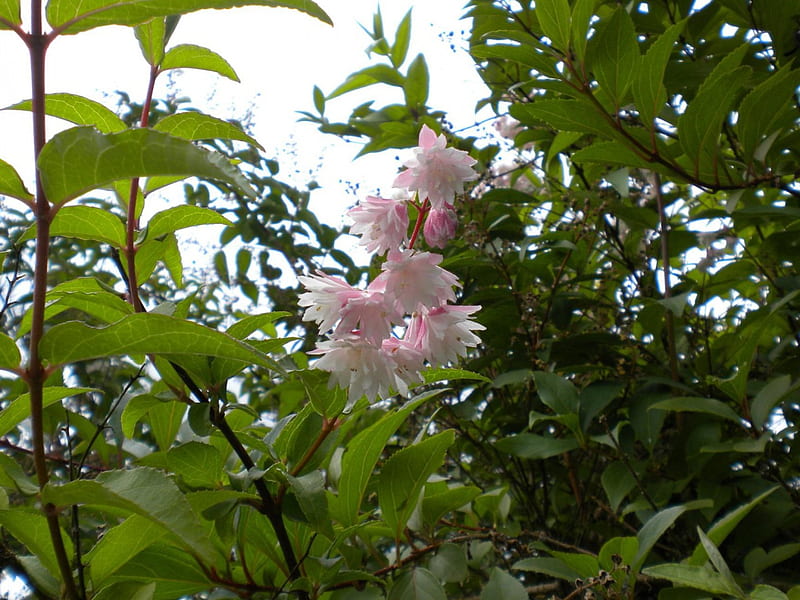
(582, 12)
(81, 159)
(309, 490)
(416, 84)
(11, 183)
(174, 571)
(199, 126)
(262, 322)
(524, 55)
(144, 333)
(189, 56)
(85, 223)
(617, 482)
(30, 528)
(656, 525)
(699, 127)
(417, 584)
(562, 115)
(369, 76)
(67, 16)
(503, 585)
(40, 576)
(402, 39)
(709, 406)
(615, 55)
(147, 492)
(547, 566)
(765, 400)
(165, 420)
(120, 544)
(20, 408)
(434, 375)
(700, 578)
(13, 477)
(77, 109)
(198, 464)
(10, 358)
(757, 560)
(128, 590)
(136, 408)
(181, 217)
(557, 393)
(584, 565)
(152, 38)
(404, 475)
(766, 592)
(508, 196)
(362, 454)
(615, 153)
(719, 531)
(648, 88)
(436, 505)
(319, 100)
(535, 447)
(450, 563)
(625, 547)
(554, 17)
(761, 108)
(715, 557)
(10, 12)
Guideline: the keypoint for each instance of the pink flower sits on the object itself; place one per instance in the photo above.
(412, 279)
(369, 370)
(443, 333)
(371, 313)
(507, 127)
(440, 226)
(325, 299)
(381, 223)
(436, 172)
(407, 362)
(358, 366)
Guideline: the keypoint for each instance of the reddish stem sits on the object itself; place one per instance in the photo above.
(132, 224)
(36, 374)
(423, 212)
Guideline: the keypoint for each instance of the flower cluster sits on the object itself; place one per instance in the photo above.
(365, 353)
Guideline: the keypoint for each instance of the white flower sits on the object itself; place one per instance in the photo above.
(443, 333)
(407, 360)
(436, 172)
(381, 223)
(356, 365)
(365, 369)
(371, 313)
(325, 299)
(413, 279)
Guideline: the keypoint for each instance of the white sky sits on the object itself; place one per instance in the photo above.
(279, 54)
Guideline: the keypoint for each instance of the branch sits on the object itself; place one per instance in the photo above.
(269, 507)
(35, 373)
(670, 320)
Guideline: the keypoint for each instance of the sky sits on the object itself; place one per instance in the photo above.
(279, 55)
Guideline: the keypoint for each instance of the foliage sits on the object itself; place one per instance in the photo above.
(631, 244)
(627, 428)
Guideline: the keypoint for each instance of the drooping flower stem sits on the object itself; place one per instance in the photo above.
(36, 373)
(423, 211)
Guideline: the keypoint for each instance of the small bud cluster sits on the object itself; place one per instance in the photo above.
(363, 353)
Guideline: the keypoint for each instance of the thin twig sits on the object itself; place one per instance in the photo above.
(669, 317)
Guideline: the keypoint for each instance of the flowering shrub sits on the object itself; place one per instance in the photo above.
(365, 353)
